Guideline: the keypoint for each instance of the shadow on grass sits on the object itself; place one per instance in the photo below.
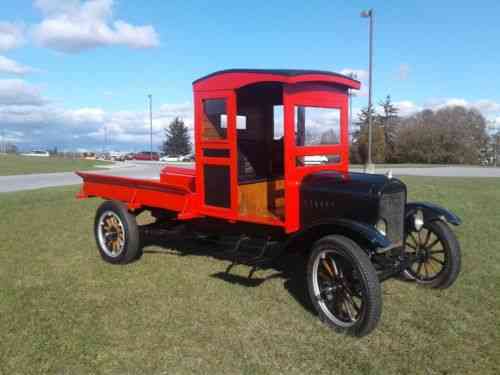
(288, 266)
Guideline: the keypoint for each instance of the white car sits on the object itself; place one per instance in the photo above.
(169, 158)
(38, 153)
(187, 158)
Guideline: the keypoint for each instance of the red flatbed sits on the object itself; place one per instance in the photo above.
(174, 191)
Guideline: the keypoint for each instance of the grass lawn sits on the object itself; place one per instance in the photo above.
(381, 168)
(15, 164)
(407, 165)
(64, 311)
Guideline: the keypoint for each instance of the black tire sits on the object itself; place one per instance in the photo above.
(351, 273)
(445, 260)
(124, 231)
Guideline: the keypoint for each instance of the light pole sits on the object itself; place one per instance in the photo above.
(150, 126)
(369, 166)
(497, 136)
(104, 146)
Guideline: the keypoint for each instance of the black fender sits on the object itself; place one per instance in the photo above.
(431, 212)
(364, 234)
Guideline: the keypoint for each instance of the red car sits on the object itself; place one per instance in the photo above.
(146, 155)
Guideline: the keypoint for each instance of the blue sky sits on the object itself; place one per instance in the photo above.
(68, 68)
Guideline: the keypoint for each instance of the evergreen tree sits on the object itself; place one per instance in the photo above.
(378, 138)
(389, 120)
(177, 140)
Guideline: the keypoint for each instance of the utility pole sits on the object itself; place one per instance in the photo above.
(369, 165)
(150, 126)
(2, 145)
(496, 147)
(105, 145)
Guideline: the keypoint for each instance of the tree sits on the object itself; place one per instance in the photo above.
(177, 140)
(360, 138)
(389, 120)
(452, 135)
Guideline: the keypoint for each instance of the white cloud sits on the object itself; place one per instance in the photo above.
(48, 125)
(362, 76)
(19, 92)
(13, 67)
(11, 35)
(359, 74)
(74, 26)
(487, 107)
(407, 107)
(85, 116)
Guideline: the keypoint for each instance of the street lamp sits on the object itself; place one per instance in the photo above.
(2, 144)
(369, 166)
(105, 145)
(150, 126)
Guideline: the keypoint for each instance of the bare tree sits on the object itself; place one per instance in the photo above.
(452, 135)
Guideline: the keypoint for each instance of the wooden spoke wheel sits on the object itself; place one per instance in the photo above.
(435, 255)
(116, 233)
(111, 234)
(343, 286)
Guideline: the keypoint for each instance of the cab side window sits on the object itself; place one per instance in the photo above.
(214, 120)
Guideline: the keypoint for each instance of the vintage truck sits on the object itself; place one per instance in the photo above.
(272, 162)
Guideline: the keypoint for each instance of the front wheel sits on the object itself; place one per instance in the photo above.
(435, 254)
(343, 286)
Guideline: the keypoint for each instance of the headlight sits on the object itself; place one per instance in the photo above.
(418, 220)
(381, 226)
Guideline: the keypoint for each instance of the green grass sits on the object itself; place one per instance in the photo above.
(385, 166)
(14, 164)
(64, 311)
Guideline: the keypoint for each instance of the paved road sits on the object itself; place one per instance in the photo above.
(152, 170)
(36, 181)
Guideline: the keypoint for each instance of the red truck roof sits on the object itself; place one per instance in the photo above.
(235, 78)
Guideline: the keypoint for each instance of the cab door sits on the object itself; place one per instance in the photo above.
(216, 176)
(316, 138)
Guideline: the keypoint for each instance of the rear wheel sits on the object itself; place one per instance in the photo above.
(436, 256)
(343, 286)
(116, 233)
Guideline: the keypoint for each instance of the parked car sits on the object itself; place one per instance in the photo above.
(116, 156)
(187, 158)
(89, 156)
(147, 155)
(170, 158)
(38, 153)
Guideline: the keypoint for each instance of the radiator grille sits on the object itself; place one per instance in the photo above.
(392, 206)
